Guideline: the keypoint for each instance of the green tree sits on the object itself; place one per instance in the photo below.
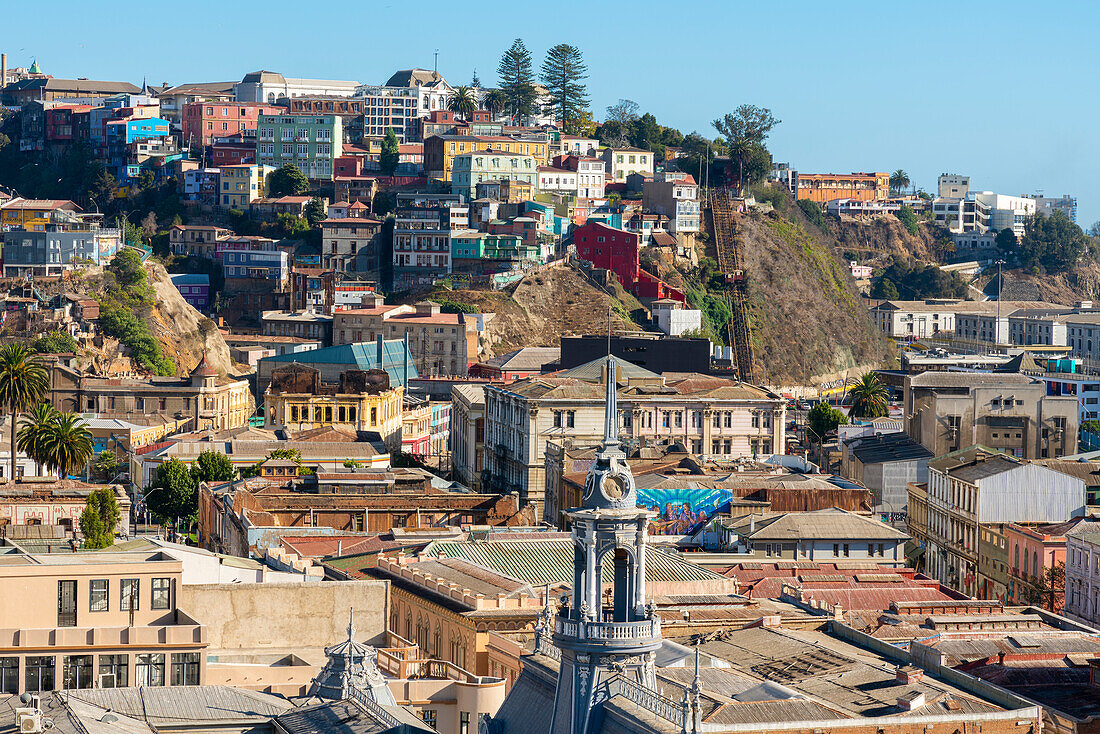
(127, 267)
(291, 226)
(293, 454)
(34, 432)
(517, 79)
(287, 180)
(645, 133)
(745, 130)
(869, 398)
(107, 466)
(315, 212)
(24, 382)
(824, 418)
(495, 101)
(100, 518)
(885, 288)
(212, 466)
(463, 103)
(476, 81)
(1006, 242)
(563, 73)
(899, 179)
(1053, 242)
(908, 219)
(173, 492)
(55, 342)
(103, 190)
(391, 153)
(68, 444)
(813, 212)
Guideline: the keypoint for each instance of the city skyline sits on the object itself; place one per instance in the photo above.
(984, 95)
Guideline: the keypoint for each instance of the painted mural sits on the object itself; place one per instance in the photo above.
(683, 510)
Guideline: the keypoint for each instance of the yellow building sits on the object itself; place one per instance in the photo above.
(440, 150)
(362, 401)
(32, 214)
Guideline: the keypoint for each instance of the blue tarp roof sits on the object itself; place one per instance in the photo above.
(358, 356)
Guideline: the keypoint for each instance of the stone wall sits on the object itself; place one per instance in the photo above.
(286, 617)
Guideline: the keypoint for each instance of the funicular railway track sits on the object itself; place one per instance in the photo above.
(731, 261)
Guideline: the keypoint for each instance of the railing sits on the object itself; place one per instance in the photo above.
(375, 709)
(650, 700)
(585, 630)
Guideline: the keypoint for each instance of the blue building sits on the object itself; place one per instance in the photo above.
(256, 264)
(332, 361)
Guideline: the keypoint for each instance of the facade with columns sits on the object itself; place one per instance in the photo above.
(709, 416)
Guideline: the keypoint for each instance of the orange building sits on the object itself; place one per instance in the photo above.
(825, 187)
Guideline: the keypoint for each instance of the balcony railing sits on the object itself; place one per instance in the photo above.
(607, 631)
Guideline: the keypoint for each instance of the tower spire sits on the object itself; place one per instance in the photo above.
(611, 408)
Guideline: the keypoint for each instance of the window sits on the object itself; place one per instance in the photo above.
(149, 669)
(464, 722)
(9, 675)
(66, 603)
(845, 550)
(428, 717)
(162, 594)
(114, 671)
(185, 669)
(129, 598)
(76, 672)
(557, 419)
(40, 673)
(97, 595)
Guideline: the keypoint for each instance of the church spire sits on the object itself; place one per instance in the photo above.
(611, 407)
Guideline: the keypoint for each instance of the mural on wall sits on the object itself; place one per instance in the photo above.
(683, 510)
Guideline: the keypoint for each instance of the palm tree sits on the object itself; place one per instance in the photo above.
(899, 179)
(23, 383)
(33, 430)
(68, 444)
(463, 103)
(869, 397)
(495, 101)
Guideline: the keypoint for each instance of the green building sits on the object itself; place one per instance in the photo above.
(310, 142)
(470, 169)
(471, 245)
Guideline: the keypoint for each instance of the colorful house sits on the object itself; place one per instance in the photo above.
(239, 186)
(194, 287)
(470, 169)
(311, 143)
(616, 250)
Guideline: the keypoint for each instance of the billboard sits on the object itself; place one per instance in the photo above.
(683, 510)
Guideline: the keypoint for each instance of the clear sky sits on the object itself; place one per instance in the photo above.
(1003, 91)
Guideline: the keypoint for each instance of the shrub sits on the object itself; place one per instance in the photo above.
(813, 212)
(908, 218)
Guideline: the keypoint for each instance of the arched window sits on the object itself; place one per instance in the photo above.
(437, 643)
(1035, 564)
(1016, 559)
(409, 626)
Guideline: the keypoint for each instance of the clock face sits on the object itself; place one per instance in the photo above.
(613, 487)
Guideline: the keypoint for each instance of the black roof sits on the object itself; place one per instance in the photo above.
(886, 447)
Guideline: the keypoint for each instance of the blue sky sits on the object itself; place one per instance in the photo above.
(1002, 91)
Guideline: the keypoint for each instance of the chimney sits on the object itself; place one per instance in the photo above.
(3, 70)
(908, 674)
(910, 701)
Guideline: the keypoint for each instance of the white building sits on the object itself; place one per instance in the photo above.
(1083, 574)
(621, 162)
(983, 211)
(952, 186)
(574, 145)
(676, 195)
(268, 87)
(673, 319)
(1047, 205)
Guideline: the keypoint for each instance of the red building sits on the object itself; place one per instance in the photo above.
(616, 250)
(204, 121)
(61, 122)
(231, 152)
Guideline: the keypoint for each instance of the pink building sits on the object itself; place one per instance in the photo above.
(1032, 550)
(204, 121)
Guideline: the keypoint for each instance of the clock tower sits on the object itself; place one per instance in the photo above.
(605, 636)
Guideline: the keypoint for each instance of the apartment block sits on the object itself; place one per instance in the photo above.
(824, 187)
(309, 142)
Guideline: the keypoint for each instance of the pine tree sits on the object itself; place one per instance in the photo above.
(517, 80)
(564, 72)
(476, 81)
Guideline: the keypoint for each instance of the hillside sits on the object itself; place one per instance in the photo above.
(544, 306)
(871, 241)
(808, 318)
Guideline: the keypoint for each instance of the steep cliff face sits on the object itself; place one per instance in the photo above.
(807, 317)
(869, 241)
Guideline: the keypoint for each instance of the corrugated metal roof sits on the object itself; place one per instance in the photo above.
(177, 705)
(551, 561)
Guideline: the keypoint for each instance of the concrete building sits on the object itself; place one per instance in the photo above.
(96, 620)
(467, 440)
(971, 489)
(709, 415)
(202, 122)
(470, 169)
(239, 186)
(621, 162)
(307, 324)
(271, 87)
(1047, 205)
(440, 343)
(952, 186)
(1033, 551)
(205, 396)
(351, 244)
(310, 143)
(947, 411)
(422, 235)
(362, 401)
(51, 506)
(1082, 590)
(983, 211)
(886, 463)
(676, 195)
(673, 319)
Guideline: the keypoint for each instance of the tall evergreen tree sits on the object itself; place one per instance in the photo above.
(517, 80)
(476, 81)
(391, 153)
(563, 73)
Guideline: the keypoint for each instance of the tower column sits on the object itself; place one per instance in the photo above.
(592, 577)
(639, 571)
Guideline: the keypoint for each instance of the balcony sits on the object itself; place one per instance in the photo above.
(608, 631)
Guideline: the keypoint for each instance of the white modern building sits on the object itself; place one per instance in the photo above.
(983, 211)
(676, 195)
(673, 319)
(1047, 205)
